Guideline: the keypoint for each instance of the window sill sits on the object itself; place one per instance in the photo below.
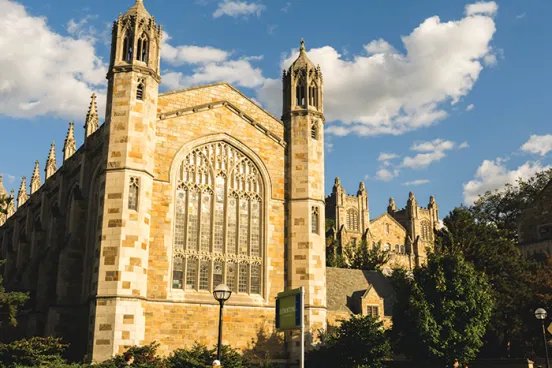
(205, 297)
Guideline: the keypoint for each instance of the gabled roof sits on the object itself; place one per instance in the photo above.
(222, 84)
(345, 286)
(389, 217)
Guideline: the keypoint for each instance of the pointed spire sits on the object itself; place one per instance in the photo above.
(22, 195)
(70, 146)
(302, 62)
(51, 165)
(35, 179)
(11, 204)
(3, 191)
(138, 9)
(411, 196)
(92, 121)
(361, 186)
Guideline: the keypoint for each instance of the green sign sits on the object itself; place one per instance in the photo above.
(288, 310)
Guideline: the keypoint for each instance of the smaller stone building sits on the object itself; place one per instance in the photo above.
(406, 233)
(535, 225)
(358, 292)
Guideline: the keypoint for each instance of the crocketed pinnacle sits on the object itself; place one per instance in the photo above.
(3, 191)
(22, 195)
(70, 146)
(51, 165)
(35, 179)
(92, 123)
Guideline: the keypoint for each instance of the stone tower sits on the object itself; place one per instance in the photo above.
(303, 117)
(133, 82)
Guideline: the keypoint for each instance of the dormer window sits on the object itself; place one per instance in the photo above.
(313, 95)
(128, 47)
(143, 48)
(300, 92)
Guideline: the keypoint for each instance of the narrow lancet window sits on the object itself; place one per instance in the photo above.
(314, 131)
(134, 190)
(315, 220)
(300, 93)
(142, 49)
(140, 90)
(128, 47)
(313, 95)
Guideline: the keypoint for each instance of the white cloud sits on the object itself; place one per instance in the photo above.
(383, 91)
(188, 54)
(431, 151)
(463, 145)
(538, 144)
(329, 146)
(366, 177)
(470, 107)
(493, 175)
(482, 8)
(209, 65)
(434, 145)
(43, 72)
(11, 179)
(82, 29)
(238, 9)
(387, 156)
(386, 175)
(286, 7)
(416, 182)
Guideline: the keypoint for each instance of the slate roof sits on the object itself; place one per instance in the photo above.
(344, 286)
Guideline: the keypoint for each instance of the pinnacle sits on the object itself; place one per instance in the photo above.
(36, 171)
(302, 62)
(138, 9)
(93, 109)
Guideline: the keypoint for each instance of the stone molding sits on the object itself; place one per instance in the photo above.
(233, 108)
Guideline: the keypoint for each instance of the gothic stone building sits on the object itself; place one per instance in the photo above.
(406, 233)
(175, 193)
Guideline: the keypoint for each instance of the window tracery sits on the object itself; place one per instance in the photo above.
(218, 221)
(143, 48)
(426, 230)
(352, 219)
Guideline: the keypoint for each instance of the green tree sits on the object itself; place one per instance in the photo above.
(492, 251)
(503, 206)
(366, 257)
(10, 301)
(442, 310)
(358, 342)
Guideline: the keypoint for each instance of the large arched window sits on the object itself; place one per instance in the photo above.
(300, 92)
(218, 221)
(352, 219)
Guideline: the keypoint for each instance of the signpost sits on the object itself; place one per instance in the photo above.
(290, 312)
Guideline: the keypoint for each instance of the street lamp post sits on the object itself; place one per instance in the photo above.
(541, 314)
(222, 293)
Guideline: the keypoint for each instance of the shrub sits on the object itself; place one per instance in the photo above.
(199, 356)
(33, 352)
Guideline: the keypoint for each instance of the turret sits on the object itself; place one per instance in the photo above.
(303, 119)
(434, 212)
(392, 207)
(70, 146)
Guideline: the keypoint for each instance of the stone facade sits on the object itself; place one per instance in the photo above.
(176, 192)
(535, 225)
(406, 233)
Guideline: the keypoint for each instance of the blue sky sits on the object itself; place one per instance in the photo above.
(449, 98)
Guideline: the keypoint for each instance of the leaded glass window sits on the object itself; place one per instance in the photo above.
(218, 230)
(352, 219)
